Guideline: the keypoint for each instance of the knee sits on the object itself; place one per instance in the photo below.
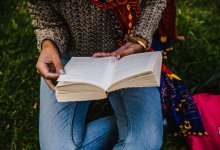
(154, 142)
(153, 138)
(150, 138)
(149, 142)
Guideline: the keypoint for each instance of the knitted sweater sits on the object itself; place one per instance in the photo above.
(82, 28)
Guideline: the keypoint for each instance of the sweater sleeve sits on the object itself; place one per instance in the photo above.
(151, 11)
(48, 24)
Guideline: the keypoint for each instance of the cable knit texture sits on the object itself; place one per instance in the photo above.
(82, 28)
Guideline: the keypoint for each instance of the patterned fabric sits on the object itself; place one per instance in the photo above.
(83, 28)
(208, 105)
(178, 105)
(75, 26)
(143, 28)
(123, 14)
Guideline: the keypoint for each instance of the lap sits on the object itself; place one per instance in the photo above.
(63, 125)
(136, 110)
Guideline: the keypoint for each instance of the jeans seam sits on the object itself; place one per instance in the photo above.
(70, 135)
(128, 120)
(97, 139)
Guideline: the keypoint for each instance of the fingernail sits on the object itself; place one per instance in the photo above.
(62, 71)
(118, 57)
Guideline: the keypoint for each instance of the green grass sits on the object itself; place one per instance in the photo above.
(18, 79)
(199, 57)
(194, 61)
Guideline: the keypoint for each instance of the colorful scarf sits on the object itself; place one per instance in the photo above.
(177, 103)
(123, 15)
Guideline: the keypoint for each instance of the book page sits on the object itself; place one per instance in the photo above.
(90, 70)
(135, 64)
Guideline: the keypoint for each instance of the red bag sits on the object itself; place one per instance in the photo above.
(209, 108)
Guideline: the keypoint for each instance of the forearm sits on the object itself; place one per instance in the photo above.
(151, 11)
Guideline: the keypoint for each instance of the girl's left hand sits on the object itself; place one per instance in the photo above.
(126, 49)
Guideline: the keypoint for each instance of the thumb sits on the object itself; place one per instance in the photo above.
(58, 66)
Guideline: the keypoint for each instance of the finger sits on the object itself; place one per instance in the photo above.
(96, 55)
(38, 72)
(114, 54)
(118, 56)
(50, 76)
(44, 71)
(57, 64)
(101, 54)
(50, 84)
(47, 75)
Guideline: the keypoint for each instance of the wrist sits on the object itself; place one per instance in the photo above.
(48, 44)
(139, 40)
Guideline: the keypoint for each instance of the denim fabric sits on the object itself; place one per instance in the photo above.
(137, 118)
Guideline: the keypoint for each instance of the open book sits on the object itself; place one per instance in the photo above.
(89, 78)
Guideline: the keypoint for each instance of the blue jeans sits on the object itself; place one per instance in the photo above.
(136, 124)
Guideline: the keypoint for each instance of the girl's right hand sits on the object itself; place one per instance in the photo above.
(49, 65)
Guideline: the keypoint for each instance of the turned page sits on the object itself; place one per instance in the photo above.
(97, 71)
(134, 64)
